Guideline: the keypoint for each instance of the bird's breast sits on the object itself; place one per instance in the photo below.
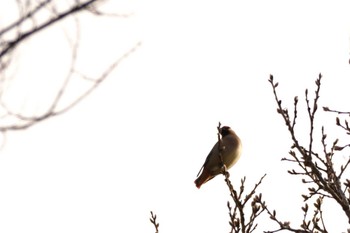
(232, 153)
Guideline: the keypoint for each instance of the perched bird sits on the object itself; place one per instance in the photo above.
(231, 145)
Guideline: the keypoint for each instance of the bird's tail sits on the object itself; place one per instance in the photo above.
(203, 178)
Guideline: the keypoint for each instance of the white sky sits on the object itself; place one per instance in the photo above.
(137, 143)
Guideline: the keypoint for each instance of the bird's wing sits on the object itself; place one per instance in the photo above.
(206, 161)
(200, 170)
(208, 157)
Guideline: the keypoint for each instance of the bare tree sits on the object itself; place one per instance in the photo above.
(322, 176)
(29, 20)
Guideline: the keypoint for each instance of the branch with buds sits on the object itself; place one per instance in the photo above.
(238, 221)
(153, 220)
(316, 168)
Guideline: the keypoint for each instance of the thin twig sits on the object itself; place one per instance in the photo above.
(153, 220)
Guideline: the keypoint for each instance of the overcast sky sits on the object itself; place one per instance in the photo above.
(137, 143)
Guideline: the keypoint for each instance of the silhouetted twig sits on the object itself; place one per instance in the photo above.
(153, 220)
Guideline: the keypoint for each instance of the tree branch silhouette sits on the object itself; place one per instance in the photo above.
(317, 167)
(238, 221)
(16, 33)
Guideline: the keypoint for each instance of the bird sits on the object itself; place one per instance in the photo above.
(232, 147)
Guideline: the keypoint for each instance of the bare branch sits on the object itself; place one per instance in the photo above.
(153, 220)
(10, 45)
(238, 221)
(29, 121)
(320, 169)
(30, 11)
